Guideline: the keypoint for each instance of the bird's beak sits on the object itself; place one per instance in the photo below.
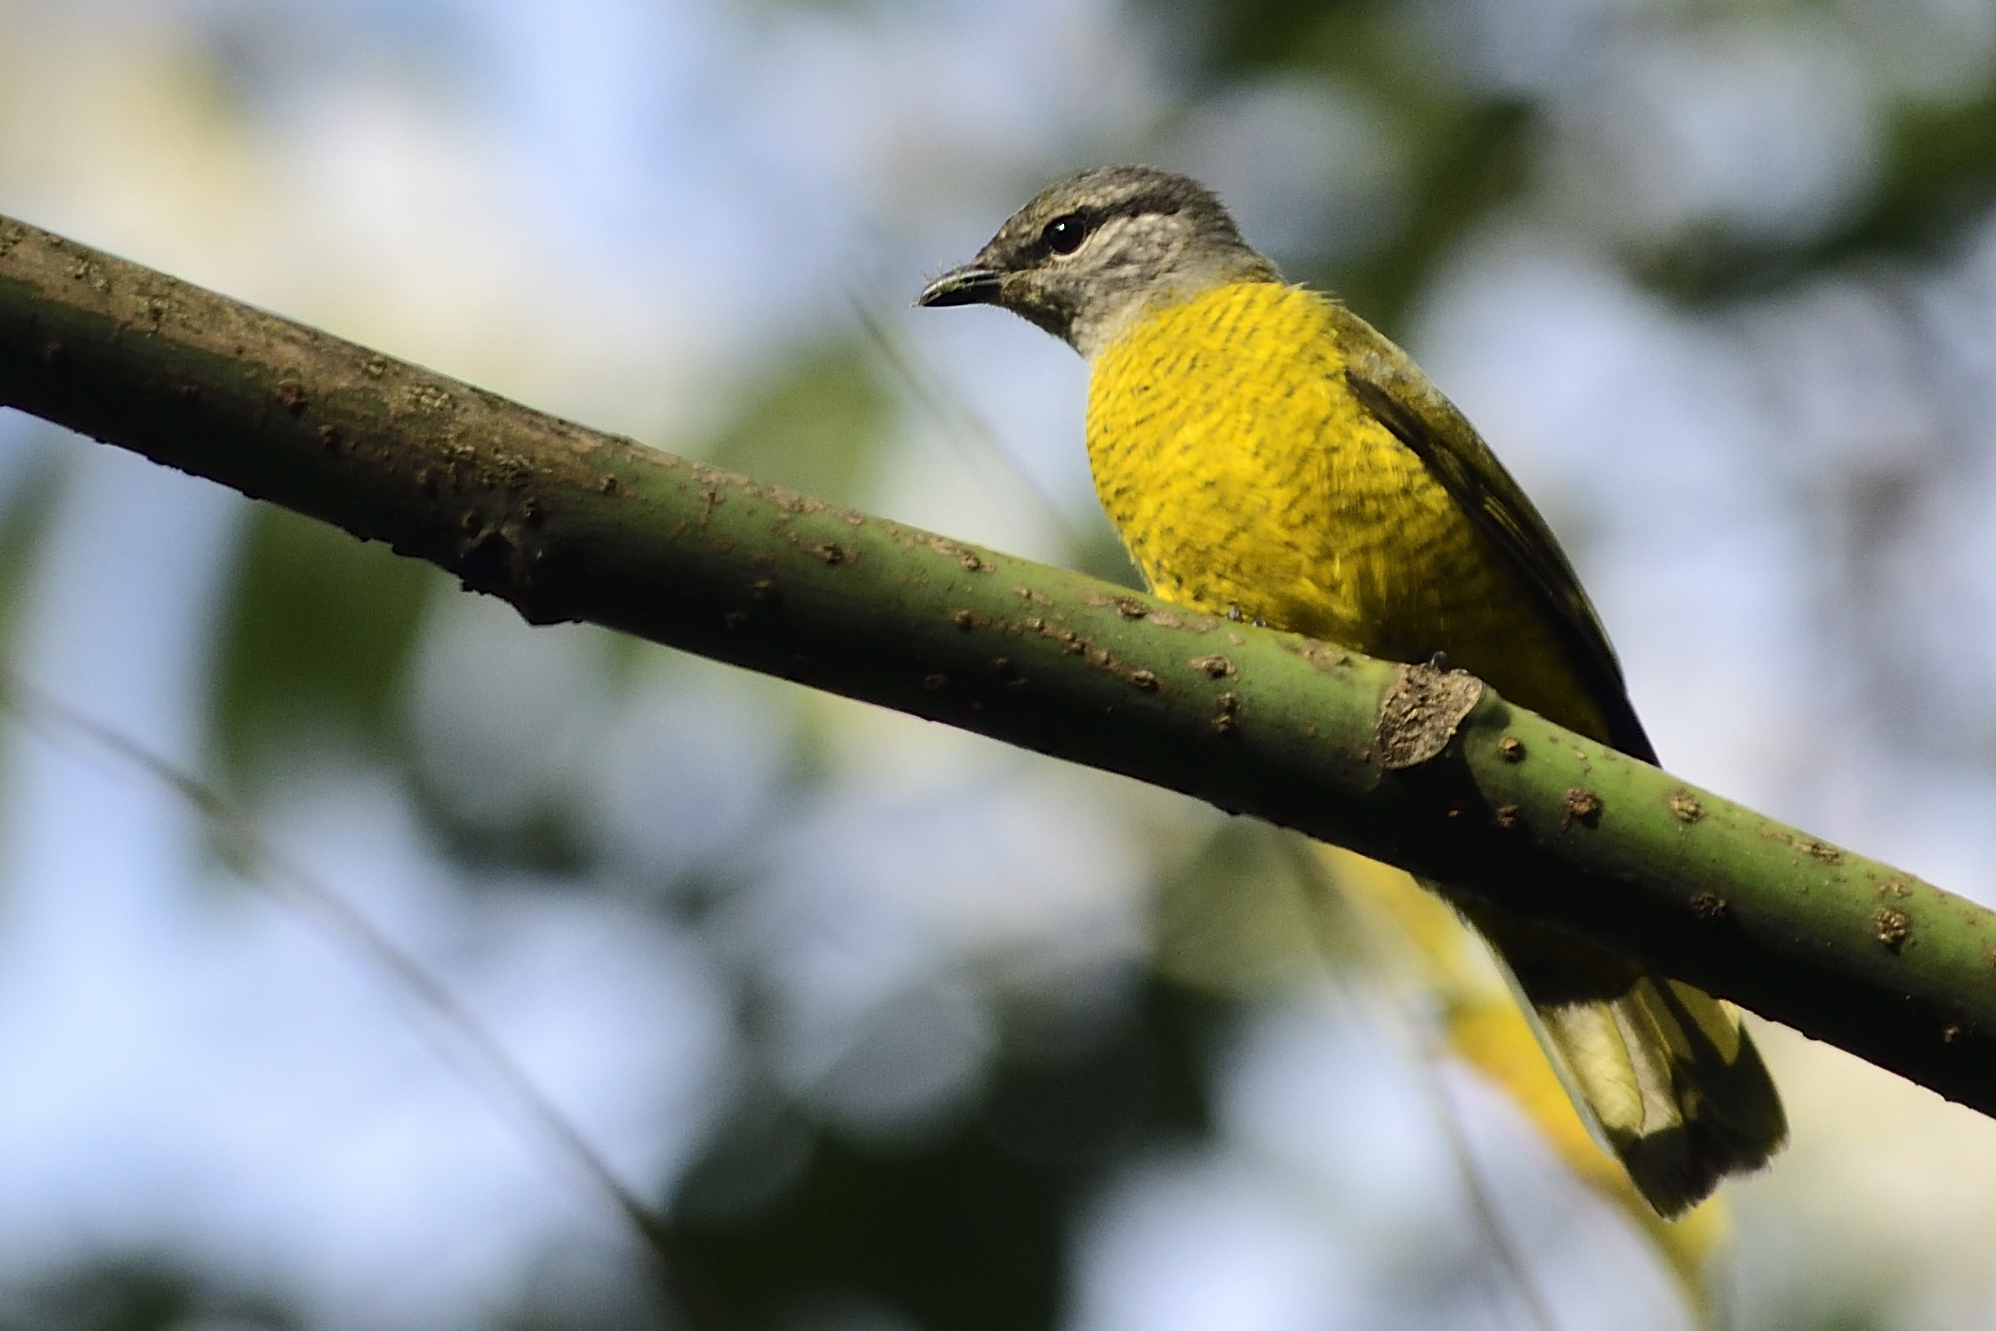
(968, 285)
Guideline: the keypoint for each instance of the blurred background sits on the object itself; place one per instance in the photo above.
(908, 1030)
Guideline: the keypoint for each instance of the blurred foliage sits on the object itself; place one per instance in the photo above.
(1471, 151)
(314, 644)
(24, 520)
(544, 841)
(136, 1293)
(965, 1229)
(26, 512)
(817, 421)
(1234, 918)
(1225, 40)
(1938, 179)
(1464, 155)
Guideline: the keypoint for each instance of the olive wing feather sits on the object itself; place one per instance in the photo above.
(1415, 413)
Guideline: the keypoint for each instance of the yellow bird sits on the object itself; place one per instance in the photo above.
(1266, 454)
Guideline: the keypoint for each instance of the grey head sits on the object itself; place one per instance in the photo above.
(1093, 252)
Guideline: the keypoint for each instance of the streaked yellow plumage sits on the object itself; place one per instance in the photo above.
(1267, 454)
(1244, 474)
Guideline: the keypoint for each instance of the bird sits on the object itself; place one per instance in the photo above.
(1267, 455)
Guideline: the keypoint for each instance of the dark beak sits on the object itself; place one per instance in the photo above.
(968, 285)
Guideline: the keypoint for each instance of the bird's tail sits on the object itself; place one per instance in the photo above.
(1663, 1071)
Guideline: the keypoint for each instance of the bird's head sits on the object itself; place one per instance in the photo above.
(1091, 253)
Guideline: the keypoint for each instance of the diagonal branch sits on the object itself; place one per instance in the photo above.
(1427, 771)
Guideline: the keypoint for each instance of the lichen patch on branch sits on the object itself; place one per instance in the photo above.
(1419, 714)
(1893, 927)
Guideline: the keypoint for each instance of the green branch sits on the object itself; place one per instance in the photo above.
(1428, 771)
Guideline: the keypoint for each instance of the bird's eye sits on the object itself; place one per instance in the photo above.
(1064, 235)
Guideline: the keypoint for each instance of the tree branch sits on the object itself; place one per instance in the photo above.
(1431, 772)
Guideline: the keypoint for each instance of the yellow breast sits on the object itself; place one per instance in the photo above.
(1244, 474)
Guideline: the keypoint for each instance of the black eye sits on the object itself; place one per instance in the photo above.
(1064, 235)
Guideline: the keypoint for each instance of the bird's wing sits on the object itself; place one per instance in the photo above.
(1399, 396)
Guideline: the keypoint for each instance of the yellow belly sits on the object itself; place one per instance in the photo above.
(1243, 474)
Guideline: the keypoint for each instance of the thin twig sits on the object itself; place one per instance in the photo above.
(972, 436)
(451, 1027)
(1423, 1053)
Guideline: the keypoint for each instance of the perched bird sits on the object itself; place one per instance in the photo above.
(1266, 454)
